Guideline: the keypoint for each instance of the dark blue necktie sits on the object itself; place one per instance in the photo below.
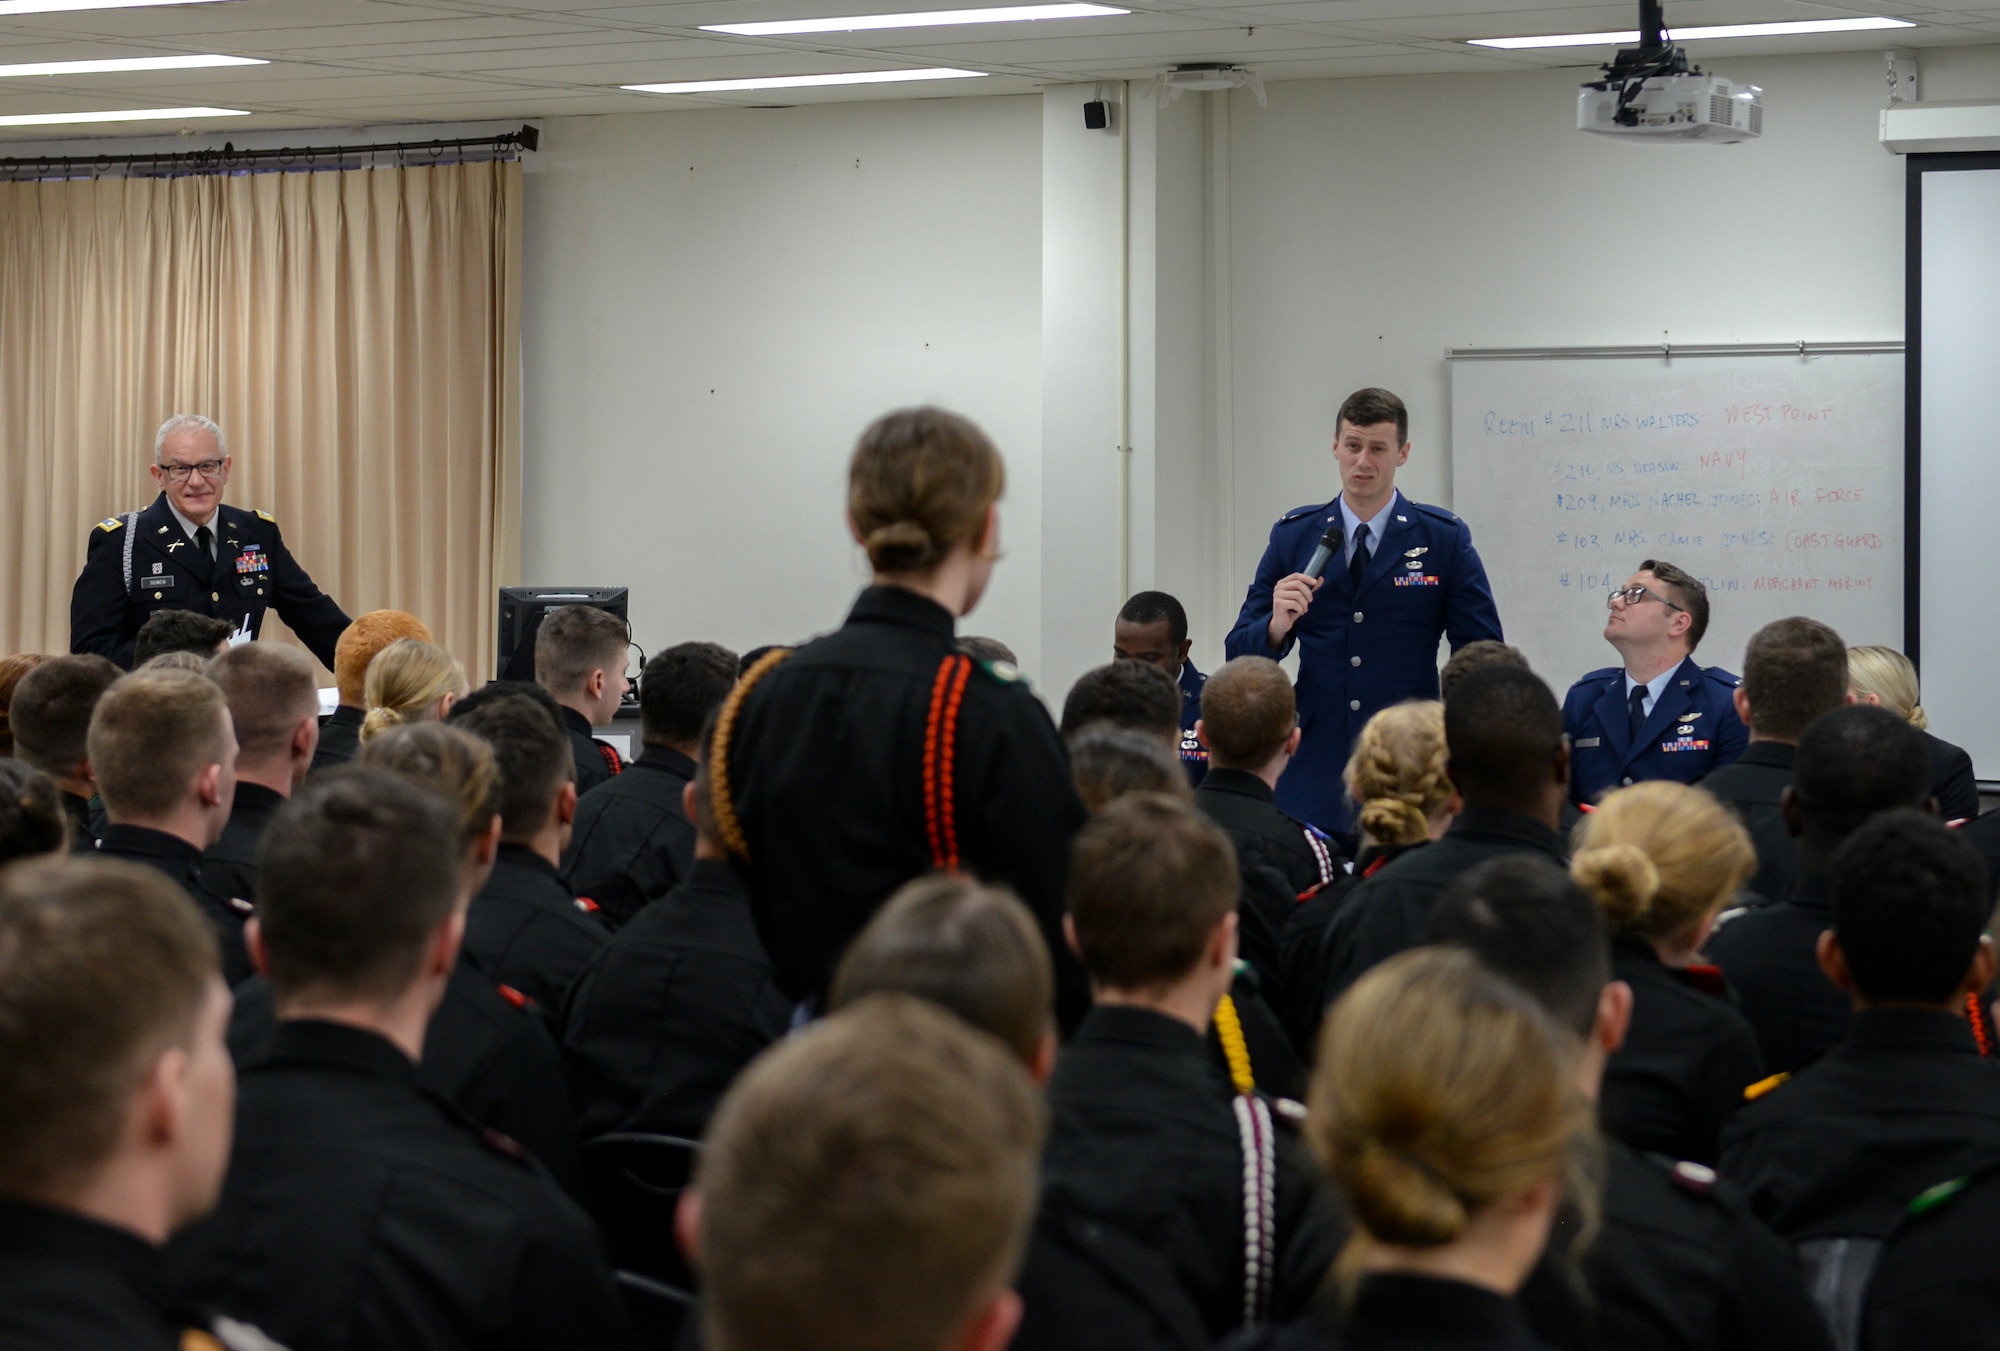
(1358, 564)
(1638, 710)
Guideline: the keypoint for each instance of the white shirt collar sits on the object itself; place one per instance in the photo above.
(1349, 523)
(1653, 686)
(189, 527)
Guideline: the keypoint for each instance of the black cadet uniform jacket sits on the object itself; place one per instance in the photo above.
(1953, 783)
(1246, 808)
(361, 1211)
(1840, 1150)
(827, 776)
(83, 828)
(339, 737)
(485, 1049)
(1936, 1284)
(252, 571)
(527, 931)
(670, 1011)
(68, 1283)
(1770, 957)
(632, 842)
(1393, 1311)
(1390, 912)
(1678, 1264)
(182, 861)
(1090, 1286)
(596, 762)
(1754, 786)
(1686, 1060)
(230, 865)
(1304, 949)
(1142, 1136)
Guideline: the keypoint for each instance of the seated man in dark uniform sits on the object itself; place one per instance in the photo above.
(274, 707)
(1145, 1135)
(1851, 764)
(358, 1210)
(1794, 670)
(340, 730)
(580, 655)
(119, 1096)
(1249, 723)
(525, 927)
(165, 757)
(1679, 1263)
(180, 631)
(632, 842)
(1834, 1158)
(1153, 628)
(50, 714)
(187, 551)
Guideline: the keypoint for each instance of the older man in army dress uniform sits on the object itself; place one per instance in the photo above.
(189, 552)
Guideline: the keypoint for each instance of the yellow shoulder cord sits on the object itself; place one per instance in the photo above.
(1260, 1166)
(727, 827)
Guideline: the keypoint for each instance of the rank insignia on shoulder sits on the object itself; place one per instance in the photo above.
(514, 996)
(1692, 1177)
(1763, 1086)
(241, 906)
(1006, 672)
(266, 516)
(1942, 1194)
(109, 523)
(506, 1146)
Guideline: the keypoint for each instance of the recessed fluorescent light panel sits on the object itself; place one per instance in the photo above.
(124, 63)
(1727, 30)
(12, 7)
(125, 115)
(937, 18)
(805, 81)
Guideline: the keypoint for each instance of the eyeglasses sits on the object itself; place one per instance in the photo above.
(178, 473)
(1638, 595)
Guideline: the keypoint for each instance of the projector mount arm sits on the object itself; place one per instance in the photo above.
(1654, 56)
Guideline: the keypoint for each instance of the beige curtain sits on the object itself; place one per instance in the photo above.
(355, 332)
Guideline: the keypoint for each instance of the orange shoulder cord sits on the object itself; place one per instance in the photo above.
(940, 757)
(727, 827)
(1977, 1017)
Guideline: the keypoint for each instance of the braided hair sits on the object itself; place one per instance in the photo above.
(1397, 772)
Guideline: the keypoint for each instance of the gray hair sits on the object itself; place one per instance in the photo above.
(188, 422)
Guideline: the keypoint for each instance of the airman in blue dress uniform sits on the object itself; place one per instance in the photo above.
(1153, 628)
(187, 551)
(1368, 630)
(1660, 715)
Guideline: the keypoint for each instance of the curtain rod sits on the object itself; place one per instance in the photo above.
(229, 159)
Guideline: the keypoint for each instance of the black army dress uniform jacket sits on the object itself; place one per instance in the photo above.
(827, 775)
(632, 841)
(68, 1283)
(1687, 1058)
(527, 931)
(230, 865)
(1142, 1137)
(670, 1011)
(360, 1211)
(84, 828)
(1769, 955)
(1393, 1311)
(1755, 785)
(252, 572)
(1247, 809)
(183, 863)
(339, 737)
(596, 762)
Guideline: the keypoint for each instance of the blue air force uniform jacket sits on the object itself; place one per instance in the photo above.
(1692, 730)
(1361, 652)
(1194, 755)
(252, 572)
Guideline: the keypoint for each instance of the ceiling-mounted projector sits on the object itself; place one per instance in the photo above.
(1208, 77)
(1650, 93)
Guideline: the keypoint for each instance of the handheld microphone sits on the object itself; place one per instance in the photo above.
(1329, 545)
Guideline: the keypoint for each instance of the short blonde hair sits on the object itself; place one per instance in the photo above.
(1661, 857)
(1397, 772)
(1888, 675)
(406, 678)
(151, 734)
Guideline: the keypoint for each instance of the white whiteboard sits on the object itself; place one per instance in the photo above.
(1776, 479)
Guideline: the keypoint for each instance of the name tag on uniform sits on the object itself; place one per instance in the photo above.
(1589, 742)
(159, 581)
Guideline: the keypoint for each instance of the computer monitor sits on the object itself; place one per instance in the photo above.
(522, 609)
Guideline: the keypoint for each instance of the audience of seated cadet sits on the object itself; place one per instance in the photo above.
(1679, 1263)
(358, 1210)
(1506, 756)
(485, 1049)
(1108, 762)
(1250, 727)
(409, 681)
(164, 754)
(50, 714)
(119, 1096)
(273, 702)
(1834, 1158)
(1153, 628)
(11, 670)
(1662, 859)
(340, 730)
(633, 842)
(1446, 1110)
(1794, 670)
(525, 928)
(1135, 695)
(1851, 764)
(867, 1186)
(1144, 1134)
(668, 1012)
(1397, 775)
(974, 951)
(881, 752)
(988, 650)
(1884, 676)
(32, 821)
(580, 658)
(180, 631)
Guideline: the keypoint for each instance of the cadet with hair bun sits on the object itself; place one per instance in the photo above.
(881, 752)
(410, 681)
(31, 813)
(1884, 677)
